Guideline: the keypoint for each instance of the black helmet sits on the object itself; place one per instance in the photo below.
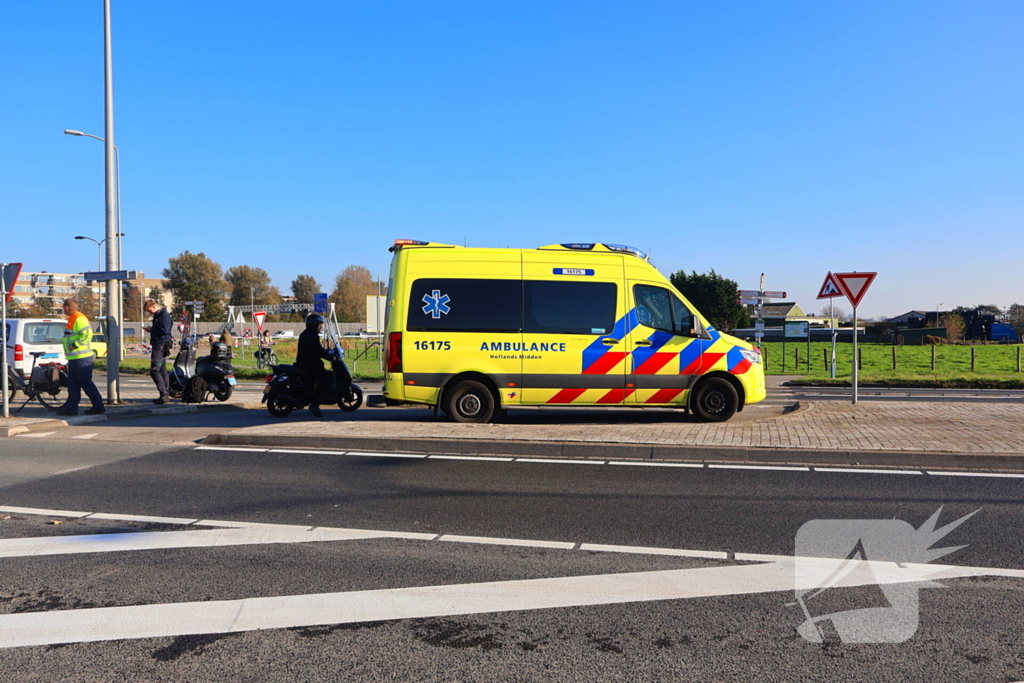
(314, 321)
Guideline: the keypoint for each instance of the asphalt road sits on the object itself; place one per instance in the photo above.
(406, 603)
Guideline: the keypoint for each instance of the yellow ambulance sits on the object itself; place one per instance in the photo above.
(475, 331)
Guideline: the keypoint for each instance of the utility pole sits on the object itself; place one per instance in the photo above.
(113, 286)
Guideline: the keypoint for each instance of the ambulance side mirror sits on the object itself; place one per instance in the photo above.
(699, 331)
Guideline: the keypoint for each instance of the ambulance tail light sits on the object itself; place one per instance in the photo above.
(394, 352)
(19, 352)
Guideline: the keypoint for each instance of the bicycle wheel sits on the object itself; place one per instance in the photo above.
(48, 400)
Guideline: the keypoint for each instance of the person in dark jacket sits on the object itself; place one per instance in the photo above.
(310, 355)
(160, 343)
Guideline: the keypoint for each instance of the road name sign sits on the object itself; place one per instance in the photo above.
(258, 317)
(773, 295)
(748, 293)
(748, 302)
(855, 285)
(104, 275)
(830, 287)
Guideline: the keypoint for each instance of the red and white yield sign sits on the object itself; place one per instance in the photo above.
(260, 315)
(830, 287)
(855, 285)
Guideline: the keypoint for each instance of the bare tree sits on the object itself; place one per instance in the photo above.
(955, 327)
(834, 311)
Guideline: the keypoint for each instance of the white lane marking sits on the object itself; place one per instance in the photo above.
(507, 541)
(142, 518)
(790, 468)
(85, 436)
(554, 461)
(855, 470)
(43, 511)
(231, 448)
(975, 474)
(363, 454)
(301, 452)
(251, 614)
(251, 525)
(641, 550)
(34, 435)
(484, 458)
(160, 540)
(638, 463)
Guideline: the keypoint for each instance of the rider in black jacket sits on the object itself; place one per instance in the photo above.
(310, 353)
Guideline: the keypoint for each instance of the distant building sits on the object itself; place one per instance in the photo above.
(47, 289)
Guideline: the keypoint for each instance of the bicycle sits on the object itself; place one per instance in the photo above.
(43, 384)
(265, 357)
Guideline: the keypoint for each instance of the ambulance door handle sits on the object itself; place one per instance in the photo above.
(609, 341)
(645, 342)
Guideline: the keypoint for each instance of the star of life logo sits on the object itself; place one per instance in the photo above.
(436, 304)
(858, 579)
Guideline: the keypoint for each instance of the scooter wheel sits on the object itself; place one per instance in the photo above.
(224, 394)
(354, 400)
(278, 408)
(175, 391)
(195, 390)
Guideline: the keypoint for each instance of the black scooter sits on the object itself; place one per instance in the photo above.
(289, 388)
(213, 375)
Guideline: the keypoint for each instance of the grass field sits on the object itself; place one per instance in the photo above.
(360, 354)
(995, 366)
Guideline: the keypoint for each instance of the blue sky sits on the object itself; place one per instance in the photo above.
(301, 137)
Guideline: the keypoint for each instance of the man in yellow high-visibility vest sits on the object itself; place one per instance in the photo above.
(79, 352)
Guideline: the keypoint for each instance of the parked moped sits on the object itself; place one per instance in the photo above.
(213, 375)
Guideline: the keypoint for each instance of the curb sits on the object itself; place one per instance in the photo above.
(42, 424)
(583, 450)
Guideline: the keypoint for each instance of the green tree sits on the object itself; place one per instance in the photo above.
(133, 301)
(251, 286)
(16, 308)
(351, 287)
(304, 287)
(196, 277)
(157, 295)
(714, 296)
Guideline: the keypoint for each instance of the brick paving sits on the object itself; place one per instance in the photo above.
(976, 428)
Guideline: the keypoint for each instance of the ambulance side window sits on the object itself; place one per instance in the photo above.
(465, 305)
(569, 307)
(682, 318)
(658, 308)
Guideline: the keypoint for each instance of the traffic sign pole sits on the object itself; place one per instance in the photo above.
(854, 355)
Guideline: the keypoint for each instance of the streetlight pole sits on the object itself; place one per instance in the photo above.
(99, 264)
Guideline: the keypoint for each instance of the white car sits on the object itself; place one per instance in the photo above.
(39, 335)
(283, 334)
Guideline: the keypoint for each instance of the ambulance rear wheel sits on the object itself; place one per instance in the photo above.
(469, 401)
(715, 400)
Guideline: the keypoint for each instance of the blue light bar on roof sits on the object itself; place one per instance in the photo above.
(582, 246)
(629, 250)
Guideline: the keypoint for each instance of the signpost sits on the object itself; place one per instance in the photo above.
(854, 285)
(758, 298)
(320, 303)
(830, 290)
(9, 273)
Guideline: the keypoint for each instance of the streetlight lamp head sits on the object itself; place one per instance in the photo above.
(73, 132)
(80, 237)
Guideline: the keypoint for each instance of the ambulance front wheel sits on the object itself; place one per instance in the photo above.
(469, 401)
(715, 400)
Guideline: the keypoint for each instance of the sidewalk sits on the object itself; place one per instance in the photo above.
(883, 433)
